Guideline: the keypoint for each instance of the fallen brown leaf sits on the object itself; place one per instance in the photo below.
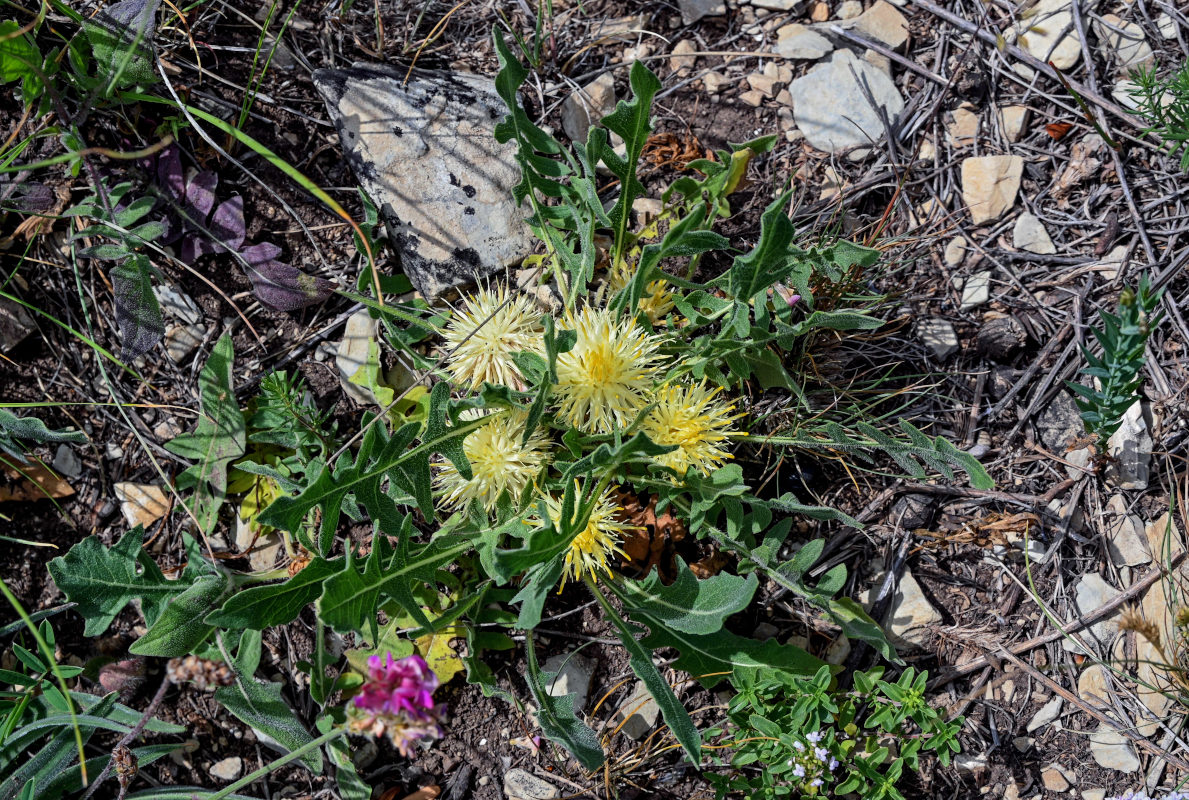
(33, 482)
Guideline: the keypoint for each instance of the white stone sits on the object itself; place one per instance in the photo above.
(425, 151)
(1047, 714)
(939, 336)
(883, 23)
(182, 340)
(990, 185)
(1110, 264)
(521, 785)
(1042, 31)
(15, 324)
(715, 82)
(1012, 120)
(955, 251)
(587, 106)
(1092, 593)
(831, 108)
(962, 131)
(574, 673)
(798, 41)
(641, 711)
(358, 334)
(265, 546)
(1126, 40)
(1030, 234)
(1053, 779)
(976, 290)
(228, 769)
(141, 503)
(1131, 448)
(1167, 26)
(1164, 538)
(1113, 750)
(1094, 794)
(910, 614)
(1126, 542)
(764, 84)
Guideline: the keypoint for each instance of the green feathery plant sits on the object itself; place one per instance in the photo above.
(1164, 103)
(1123, 337)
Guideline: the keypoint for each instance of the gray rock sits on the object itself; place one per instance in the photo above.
(176, 303)
(1092, 593)
(574, 673)
(694, 10)
(641, 712)
(1047, 32)
(883, 23)
(798, 41)
(1113, 750)
(912, 511)
(1126, 40)
(521, 785)
(1126, 537)
(939, 336)
(587, 106)
(426, 154)
(1059, 424)
(990, 185)
(1047, 714)
(911, 614)
(15, 324)
(182, 340)
(228, 769)
(1030, 234)
(830, 106)
(66, 462)
(955, 251)
(1131, 449)
(976, 290)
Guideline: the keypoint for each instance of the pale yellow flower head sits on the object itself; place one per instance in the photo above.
(594, 544)
(604, 381)
(693, 419)
(484, 333)
(499, 463)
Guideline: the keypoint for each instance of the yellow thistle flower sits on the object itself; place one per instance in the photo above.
(605, 380)
(498, 463)
(690, 418)
(657, 300)
(595, 543)
(483, 335)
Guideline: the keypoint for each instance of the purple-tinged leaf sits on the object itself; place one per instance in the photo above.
(279, 285)
(227, 224)
(170, 175)
(200, 193)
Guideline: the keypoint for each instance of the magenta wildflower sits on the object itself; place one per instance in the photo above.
(397, 700)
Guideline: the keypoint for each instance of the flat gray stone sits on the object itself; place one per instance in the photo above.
(1060, 424)
(1047, 32)
(1030, 234)
(694, 10)
(939, 336)
(587, 106)
(641, 712)
(1126, 537)
(976, 290)
(228, 769)
(1125, 40)
(990, 185)
(15, 324)
(1131, 449)
(830, 106)
(1047, 714)
(1113, 750)
(358, 334)
(181, 340)
(426, 153)
(574, 673)
(883, 23)
(178, 304)
(522, 785)
(1092, 593)
(799, 41)
(66, 462)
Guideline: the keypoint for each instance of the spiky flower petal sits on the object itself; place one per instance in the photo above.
(604, 381)
(483, 335)
(693, 419)
(595, 543)
(499, 462)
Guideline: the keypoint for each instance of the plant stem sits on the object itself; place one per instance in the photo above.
(149, 711)
(280, 762)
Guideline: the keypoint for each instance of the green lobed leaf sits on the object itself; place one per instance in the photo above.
(218, 439)
(102, 581)
(181, 628)
(31, 430)
(137, 310)
(688, 605)
(261, 607)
